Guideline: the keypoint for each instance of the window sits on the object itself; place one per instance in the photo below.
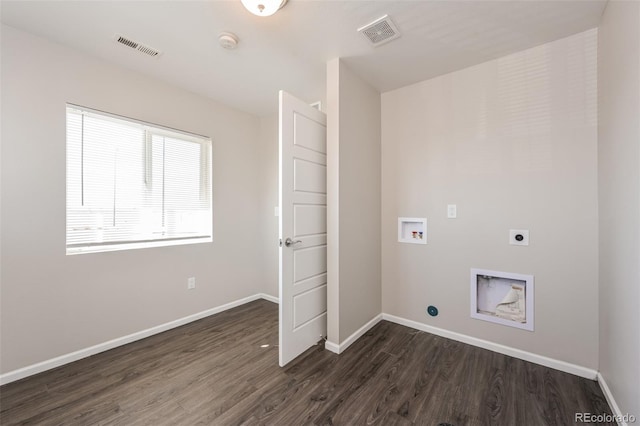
(132, 185)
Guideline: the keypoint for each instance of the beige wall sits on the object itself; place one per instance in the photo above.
(511, 142)
(619, 192)
(353, 201)
(53, 304)
(268, 154)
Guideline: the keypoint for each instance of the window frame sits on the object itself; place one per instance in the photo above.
(150, 130)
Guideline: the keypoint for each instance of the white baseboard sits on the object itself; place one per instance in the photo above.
(269, 297)
(610, 399)
(341, 347)
(495, 347)
(333, 347)
(30, 370)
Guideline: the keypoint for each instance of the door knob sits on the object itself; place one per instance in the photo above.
(289, 242)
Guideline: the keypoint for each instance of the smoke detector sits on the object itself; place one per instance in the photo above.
(142, 48)
(380, 31)
(228, 40)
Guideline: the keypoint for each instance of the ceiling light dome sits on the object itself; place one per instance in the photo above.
(263, 7)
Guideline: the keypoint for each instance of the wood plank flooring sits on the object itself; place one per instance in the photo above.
(216, 372)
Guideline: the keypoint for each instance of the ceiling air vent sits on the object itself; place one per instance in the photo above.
(380, 31)
(135, 45)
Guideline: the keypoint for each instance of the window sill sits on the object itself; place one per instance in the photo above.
(136, 245)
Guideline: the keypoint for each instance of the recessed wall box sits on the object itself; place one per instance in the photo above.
(412, 230)
(502, 298)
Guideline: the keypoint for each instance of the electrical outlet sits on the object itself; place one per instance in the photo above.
(191, 283)
(519, 237)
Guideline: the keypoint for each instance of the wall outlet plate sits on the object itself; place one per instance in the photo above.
(519, 237)
(191, 283)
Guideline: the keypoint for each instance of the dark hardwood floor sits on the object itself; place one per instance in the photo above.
(216, 372)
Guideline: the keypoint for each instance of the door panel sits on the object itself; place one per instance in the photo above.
(309, 220)
(311, 137)
(311, 282)
(309, 305)
(309, 177)
(309, 262)
(303, 220)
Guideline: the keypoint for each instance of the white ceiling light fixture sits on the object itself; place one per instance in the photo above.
(263, 7)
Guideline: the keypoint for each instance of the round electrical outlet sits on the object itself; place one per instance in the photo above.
(432, 310)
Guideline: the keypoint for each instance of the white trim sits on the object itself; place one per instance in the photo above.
(610, 399)
(332, 347)
(588, 373)
(99, 248)
(39, 367)
(341, 347)
(269, 297)
(567, 367)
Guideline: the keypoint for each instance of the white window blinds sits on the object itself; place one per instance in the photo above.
(133, 185)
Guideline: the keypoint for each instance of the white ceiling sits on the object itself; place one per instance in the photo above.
(289, 50)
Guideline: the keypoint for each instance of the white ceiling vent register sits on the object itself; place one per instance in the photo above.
(380, 31)
(136, 45)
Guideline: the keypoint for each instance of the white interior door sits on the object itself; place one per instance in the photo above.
(303, 227)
